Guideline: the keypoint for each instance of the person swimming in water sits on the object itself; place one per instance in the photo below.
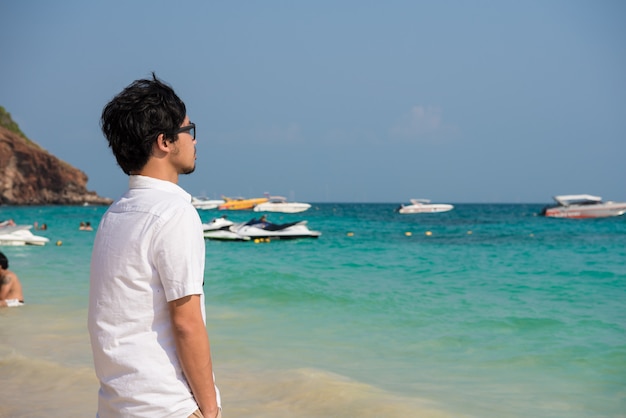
(11, 294)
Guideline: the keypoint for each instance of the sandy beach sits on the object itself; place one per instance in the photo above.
(45, 371)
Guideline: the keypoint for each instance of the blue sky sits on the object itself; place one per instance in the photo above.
(339, 101)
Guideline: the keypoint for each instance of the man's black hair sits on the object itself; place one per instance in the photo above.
(133, 120)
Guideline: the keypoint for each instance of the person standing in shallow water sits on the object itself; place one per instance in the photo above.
(146, 315)
(11, 294)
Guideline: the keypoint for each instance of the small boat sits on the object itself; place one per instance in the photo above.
(280, 204)
(220, 229)
(204, 203)
(581, 206)
(240, 203)
(424, 206)
(20, 235)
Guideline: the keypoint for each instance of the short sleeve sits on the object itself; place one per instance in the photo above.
(179, 253)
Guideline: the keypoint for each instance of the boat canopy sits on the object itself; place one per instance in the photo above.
(277, 199)
(571, 199)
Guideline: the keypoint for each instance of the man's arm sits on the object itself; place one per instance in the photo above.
(194, 351)
(6, 284)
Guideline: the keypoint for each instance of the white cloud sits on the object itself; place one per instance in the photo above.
(420, 122)
(279, 134)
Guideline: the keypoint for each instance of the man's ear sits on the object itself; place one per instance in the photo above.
(162, 143)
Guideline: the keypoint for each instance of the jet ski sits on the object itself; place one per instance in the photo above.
(225, 229)
(261, 228)
(220, 229)
(11, 234)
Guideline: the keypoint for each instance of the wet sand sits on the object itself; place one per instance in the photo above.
(46, 371)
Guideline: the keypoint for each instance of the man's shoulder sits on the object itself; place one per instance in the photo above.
(7, 277)
(151, 200)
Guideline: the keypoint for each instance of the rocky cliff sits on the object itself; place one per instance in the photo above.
(29, 175)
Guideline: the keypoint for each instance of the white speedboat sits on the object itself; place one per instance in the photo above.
(261, 228)
(203, 203)
(580, 206)
(20, 235)
(424, 206)
(280, 204)
(220, 229)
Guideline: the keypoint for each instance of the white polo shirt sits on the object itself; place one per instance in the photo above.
(149, 250)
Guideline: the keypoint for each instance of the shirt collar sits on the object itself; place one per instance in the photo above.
(144, 182)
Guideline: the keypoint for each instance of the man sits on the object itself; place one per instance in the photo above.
(11, 294)
(146, 303)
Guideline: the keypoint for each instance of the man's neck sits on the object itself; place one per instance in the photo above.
(158, 172)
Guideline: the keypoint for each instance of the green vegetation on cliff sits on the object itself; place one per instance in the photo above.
(9, 123)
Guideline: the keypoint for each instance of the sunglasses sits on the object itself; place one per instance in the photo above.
(191, 128)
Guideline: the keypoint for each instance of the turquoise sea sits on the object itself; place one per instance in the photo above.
(485, 311)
